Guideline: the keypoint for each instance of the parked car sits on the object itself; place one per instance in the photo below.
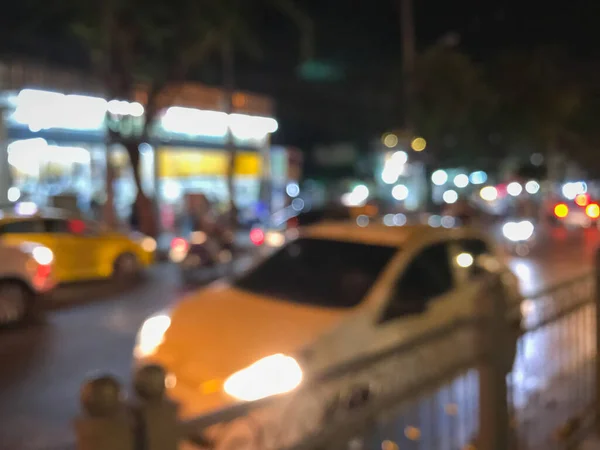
(337, 292)
(83, 249)
(26, 274)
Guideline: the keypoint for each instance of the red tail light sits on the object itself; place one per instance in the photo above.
(43, 271)
(561, 211)
(179, 244)
(582, 200)
(257, 236)
(41, 279)
(593, 211)
(77, 226)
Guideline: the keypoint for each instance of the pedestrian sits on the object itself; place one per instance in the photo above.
(134, 219)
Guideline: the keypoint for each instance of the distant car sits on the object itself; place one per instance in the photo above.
(337, 292)
(282, 230)
(573, 215)
(26, 273)
(83, 250)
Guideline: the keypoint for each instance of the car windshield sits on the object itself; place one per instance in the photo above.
(318, 272)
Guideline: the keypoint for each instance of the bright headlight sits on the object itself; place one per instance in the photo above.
(518, 231)
(42, 255)
(274, 239)
(151, 335)
(273, 375)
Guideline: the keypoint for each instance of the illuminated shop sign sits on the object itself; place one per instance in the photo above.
(187, 163)
(44, 110)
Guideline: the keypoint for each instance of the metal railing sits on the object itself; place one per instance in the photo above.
(476, 383)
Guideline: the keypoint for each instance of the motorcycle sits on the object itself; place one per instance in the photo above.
(519, 237)
(202, 251)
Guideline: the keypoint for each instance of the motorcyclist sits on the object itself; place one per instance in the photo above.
(463, 211)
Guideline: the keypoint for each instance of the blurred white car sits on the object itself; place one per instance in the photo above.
(26, 273)
(335, 293)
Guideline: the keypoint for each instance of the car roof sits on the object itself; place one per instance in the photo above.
(379, 234)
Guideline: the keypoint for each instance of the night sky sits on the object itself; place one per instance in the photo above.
(360, 39)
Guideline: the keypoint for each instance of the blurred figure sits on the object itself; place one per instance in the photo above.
(134, 218)
(463, 211)
(96, 208)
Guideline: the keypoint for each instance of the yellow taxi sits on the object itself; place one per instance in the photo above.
(82, 249)
(337, 292)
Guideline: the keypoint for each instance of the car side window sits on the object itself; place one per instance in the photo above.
(21, 226)
(427, 276)
(56, 226)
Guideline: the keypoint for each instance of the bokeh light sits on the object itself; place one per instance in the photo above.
(450, 196)
(489, 193)
(514, 189)
(461, 180)
(593, 211)
(561, 210)
(532, 187)
(418, 144)
(390, 140)
(582, 200)
(400, 192)
(439, 177)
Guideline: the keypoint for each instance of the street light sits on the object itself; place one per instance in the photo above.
(390, 140)
(418, 144)
(461, 180)
(439, 177)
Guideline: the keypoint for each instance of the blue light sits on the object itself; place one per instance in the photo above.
(478, 177)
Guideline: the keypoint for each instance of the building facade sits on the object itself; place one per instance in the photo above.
(54, 133)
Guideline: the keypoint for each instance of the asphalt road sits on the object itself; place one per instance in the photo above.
(92, 329)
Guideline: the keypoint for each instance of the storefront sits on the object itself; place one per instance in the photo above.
(55, 146)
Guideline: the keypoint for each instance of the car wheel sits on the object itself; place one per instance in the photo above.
(16, 302)
(126, 267)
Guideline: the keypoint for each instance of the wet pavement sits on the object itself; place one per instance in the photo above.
(92, 328)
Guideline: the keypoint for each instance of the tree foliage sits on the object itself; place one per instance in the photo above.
(453, 106)
(152, 46)
(142, 47)
(516, 105)
(540, 100)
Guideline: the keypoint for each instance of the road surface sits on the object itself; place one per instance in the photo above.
(92, 329)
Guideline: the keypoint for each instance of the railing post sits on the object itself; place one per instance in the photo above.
(495, 337)
(156, 415)
(597, 293)
(105, 423)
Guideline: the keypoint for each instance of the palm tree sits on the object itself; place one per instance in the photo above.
(235, 31)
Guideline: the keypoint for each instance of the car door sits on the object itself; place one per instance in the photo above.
(86, 247)
(100, 247)
(69, 257)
